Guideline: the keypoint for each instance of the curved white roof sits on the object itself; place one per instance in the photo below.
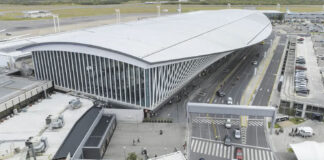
(175, 37)
(308, 150)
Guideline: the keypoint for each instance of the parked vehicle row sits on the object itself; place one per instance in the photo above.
(301, 79)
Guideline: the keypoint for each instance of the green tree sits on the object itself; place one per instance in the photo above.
(132, 156)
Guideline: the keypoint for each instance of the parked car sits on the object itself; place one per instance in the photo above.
(229, 100)
(227, 140)
(237, 133)
(300, 39)
(301, 68)
(238, 153)
(228, 123)
(282, 118)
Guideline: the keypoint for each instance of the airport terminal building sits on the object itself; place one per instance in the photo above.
(143, 63)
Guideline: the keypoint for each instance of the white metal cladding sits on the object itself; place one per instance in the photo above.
(164, 39)
(116, 80)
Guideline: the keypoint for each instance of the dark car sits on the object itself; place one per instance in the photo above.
(227, 140)
(238, 153)
(220, 93)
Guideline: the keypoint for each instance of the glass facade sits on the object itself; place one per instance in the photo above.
(116, 80)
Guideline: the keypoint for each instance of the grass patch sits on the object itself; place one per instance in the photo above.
(14, 12)
(297, 120)
(275, 126)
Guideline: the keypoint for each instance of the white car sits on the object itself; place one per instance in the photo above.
(229, 100)
(237, 133)
(254, 62)
(228, 123)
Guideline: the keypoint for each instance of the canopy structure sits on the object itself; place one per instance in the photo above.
(308, 150)
(171, 37)
(142, 64)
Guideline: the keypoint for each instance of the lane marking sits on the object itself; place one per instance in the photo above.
(198, 146)
(259, 153)
(248, 153)
(244, 152)
(206, 148)
(202, 147)
(210, 148)
(229, 151)
(224, 151)
(193, 142)
(217, 150)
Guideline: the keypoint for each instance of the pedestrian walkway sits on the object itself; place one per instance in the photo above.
(243, 134)
(218, 149)
(222, 121)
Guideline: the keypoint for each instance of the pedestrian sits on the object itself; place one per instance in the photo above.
(138, 140)
(155, 155)
(133, 142)
(292, 130)
(296, 130)
(175, 149)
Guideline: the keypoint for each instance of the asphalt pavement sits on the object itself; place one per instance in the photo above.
(264, 91)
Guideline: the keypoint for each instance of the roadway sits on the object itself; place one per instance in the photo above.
(264, 91)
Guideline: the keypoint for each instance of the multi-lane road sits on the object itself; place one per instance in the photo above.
(205, 128)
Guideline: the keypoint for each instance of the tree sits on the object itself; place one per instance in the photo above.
(132, 156)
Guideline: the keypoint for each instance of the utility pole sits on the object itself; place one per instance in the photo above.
(179, 7)
(56, 22)
(158, 11)
(117, 16)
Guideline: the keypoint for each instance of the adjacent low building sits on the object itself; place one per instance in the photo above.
(142, 64)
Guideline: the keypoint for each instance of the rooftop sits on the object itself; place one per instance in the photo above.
(170, 37)
(32, 123)
(11, 86)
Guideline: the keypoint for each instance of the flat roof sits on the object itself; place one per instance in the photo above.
(32, 123)
(170, 37)
(11, 86)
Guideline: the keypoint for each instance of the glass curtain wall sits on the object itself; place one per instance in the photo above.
(115, 80)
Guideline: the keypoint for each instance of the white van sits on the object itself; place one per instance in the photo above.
(305, 131)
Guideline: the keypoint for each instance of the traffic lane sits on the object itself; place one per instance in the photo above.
(228, 85)
(255, 136)
(209, 83)
(263, 94)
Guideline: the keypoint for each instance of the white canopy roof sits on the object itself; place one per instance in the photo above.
(172, 156)
(308, 150)
(174, 37)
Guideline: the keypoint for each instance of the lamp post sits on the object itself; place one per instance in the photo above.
(125, 152)
(158, 11)
(117, 15)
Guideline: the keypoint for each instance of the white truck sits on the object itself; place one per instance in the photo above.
(305, 131)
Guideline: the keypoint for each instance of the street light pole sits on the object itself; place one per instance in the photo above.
(125, 152)
(158, 11)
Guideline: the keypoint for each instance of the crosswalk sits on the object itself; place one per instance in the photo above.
(218, 149)
(222, 121)
(243, 135)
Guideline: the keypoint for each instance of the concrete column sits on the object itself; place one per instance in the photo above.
(304, 110)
